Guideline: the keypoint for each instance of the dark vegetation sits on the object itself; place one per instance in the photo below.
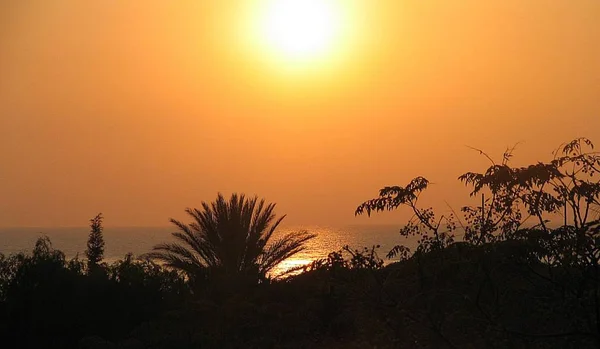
(520, 270)
(95, 244)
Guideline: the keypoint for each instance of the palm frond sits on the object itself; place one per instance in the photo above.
(283, 249)
(177, 257)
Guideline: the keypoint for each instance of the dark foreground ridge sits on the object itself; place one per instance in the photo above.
(507, 283)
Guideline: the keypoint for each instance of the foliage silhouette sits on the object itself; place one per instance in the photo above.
(434, 233)
(95, 243)
(346, 258)
(231, 239)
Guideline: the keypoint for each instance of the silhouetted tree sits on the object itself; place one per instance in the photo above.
(550, 269)
(434, 233)
(95, 244)
(229, 238)
(570, 253)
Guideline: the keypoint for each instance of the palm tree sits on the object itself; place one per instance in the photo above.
(229, 238)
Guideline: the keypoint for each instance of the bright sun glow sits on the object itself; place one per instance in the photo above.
(301, 29)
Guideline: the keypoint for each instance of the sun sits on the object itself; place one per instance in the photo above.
(301, 30)
(301, 39)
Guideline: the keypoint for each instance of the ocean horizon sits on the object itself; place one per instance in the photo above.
(139, 240)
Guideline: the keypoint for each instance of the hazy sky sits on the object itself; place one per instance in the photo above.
(138, 109)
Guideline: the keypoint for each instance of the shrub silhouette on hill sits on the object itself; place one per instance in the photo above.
(524, 275)
(48, 301)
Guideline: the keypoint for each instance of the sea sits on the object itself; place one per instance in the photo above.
(139, 240)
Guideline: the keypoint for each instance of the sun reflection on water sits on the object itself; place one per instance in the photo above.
(332, 239)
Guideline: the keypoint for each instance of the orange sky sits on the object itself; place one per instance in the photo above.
(138, 109)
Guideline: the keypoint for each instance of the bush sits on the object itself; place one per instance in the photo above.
(47, 301)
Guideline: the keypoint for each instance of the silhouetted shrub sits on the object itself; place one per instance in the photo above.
(49, 302)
